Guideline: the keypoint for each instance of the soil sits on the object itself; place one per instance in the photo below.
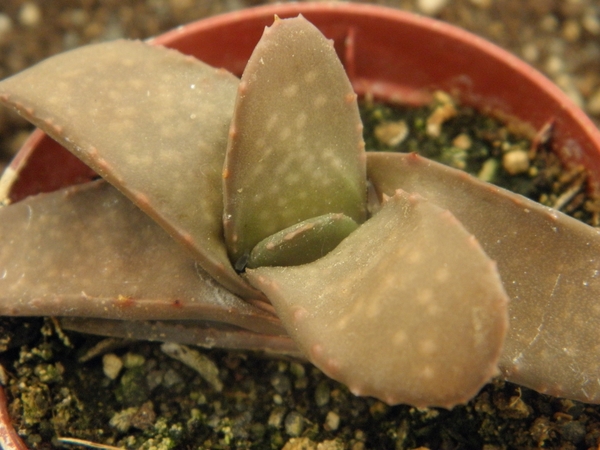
(155, 402)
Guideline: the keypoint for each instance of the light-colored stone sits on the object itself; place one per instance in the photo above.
(516, 162)
(431, 7)
(6, 26)
(462, 141)
(332, 421)
(391, 133)
(571, 30)
(111, 365)
(30, 14)
(294, 424)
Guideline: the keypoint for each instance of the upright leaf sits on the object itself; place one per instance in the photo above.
(295, 148)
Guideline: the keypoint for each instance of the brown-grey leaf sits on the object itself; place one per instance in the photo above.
(302, 243)
(203, 334)
(408, 308)
(88, 251)
(295, 148)
(151, 121)
(549, 263)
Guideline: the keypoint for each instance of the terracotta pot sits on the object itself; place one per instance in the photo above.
(393, 55)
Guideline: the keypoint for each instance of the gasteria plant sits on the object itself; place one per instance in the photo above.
(254, 223)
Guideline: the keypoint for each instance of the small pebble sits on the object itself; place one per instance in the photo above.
(488, 170)
(78, 17)
(571, 31)
(294, 424)
(281, 383)
(332, 421)
(297, 370)
(111, 365)
(442, 113)
(431, 7)
(515, 162)
(276, 417)
(154, 378)
(331, 444)
(590, 22)
(530, 52)
(5, 25)
(462, 141)
(549, 23)
(113, 30)
(132, 360)
(171, 378)
(302, 443)
(30, 14)
(322, 394)
(554, 64)
(70, 40)
(391, 133)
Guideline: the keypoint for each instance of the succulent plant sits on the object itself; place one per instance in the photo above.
(238, 215)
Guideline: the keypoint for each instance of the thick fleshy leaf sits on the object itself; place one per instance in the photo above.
(151, 121)
(295, 148)
(302, 243)
(203, 334)
(549, 263)
(408, 308)
(88, 251)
